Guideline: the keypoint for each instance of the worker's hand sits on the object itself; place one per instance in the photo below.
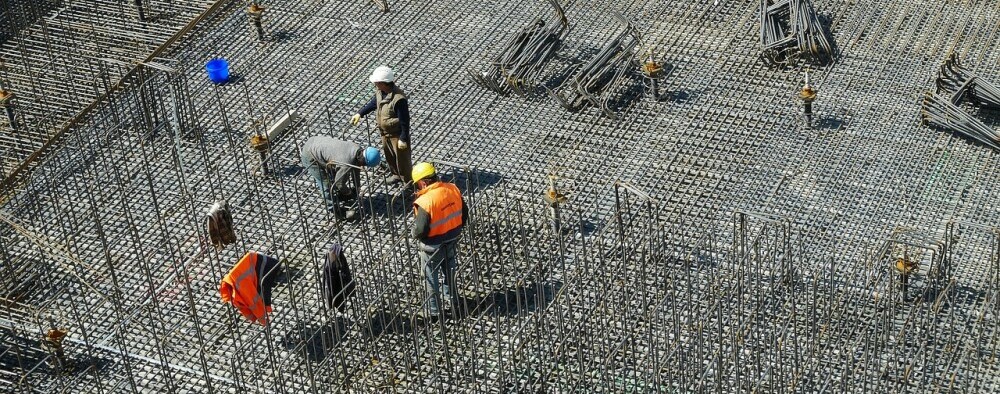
(402, 145)
(355, 119)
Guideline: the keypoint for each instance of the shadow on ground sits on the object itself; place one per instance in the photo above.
(316, 339)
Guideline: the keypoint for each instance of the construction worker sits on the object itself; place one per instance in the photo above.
(392, 116)
(439, 216)
(328, 159)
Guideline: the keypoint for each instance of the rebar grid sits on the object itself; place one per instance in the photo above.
(642, 287)
(55, 65)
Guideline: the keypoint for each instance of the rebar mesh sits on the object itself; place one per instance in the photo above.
(709, 242)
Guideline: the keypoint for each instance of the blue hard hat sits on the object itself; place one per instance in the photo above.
(372, 157)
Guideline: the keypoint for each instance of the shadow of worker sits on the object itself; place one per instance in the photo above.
(383, 322)
(521, 300)
(316, 339)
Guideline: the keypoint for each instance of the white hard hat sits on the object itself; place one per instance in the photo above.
(382, 74)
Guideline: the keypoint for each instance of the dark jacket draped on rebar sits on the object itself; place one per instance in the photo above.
(337, 283)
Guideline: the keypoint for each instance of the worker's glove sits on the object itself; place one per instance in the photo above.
(355, 119)
(402, 145)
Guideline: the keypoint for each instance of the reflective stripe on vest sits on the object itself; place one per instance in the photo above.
(443, 202)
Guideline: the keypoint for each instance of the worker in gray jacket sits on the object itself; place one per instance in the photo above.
(336, 166)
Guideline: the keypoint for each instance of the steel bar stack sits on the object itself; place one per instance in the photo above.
(705, 242)
(961, 83)
(790, 30)
(519, 64)
(605, 74)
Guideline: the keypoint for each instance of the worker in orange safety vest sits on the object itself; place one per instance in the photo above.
(439, 216)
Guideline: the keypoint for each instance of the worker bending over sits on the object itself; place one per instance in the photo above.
(440, 214)
(392, 116)
(330, 160)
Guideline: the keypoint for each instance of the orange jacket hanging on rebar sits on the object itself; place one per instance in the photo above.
(248, 286)
(443, 202)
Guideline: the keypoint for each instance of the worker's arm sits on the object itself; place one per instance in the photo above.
(403, 114)
(342, 180)
(368, 108)
(465, 213)
(356, 177)
(421, 224)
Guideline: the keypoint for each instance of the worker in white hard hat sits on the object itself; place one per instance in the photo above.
(392, 115)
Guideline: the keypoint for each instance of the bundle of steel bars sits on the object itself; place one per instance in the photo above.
(604, 74)
(790, 31)
(521, 61)
(943, 108)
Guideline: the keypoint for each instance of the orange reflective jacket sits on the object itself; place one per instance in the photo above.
(241, 288)
(443, 202)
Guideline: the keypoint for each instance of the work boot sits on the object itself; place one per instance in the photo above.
(339, 212)
(350, 215)
(429, 316)
(392, 179)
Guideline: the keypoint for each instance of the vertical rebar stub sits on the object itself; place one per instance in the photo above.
(5, 98)
(52, 342)
(256, 13)
(652, 68)
(7, 103)
(807, 95)
(138, 8)
(905, 267)
(260, 144)
(553, 198)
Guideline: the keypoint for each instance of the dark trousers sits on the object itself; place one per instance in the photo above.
(397, 159)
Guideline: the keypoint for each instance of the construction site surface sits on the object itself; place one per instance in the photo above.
(651, 208)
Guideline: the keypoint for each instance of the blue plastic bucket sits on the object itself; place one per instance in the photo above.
(218, 70)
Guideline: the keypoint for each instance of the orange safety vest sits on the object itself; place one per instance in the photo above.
(443, 202)
(240, 287)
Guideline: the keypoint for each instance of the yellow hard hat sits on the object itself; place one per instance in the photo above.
(422, 170)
